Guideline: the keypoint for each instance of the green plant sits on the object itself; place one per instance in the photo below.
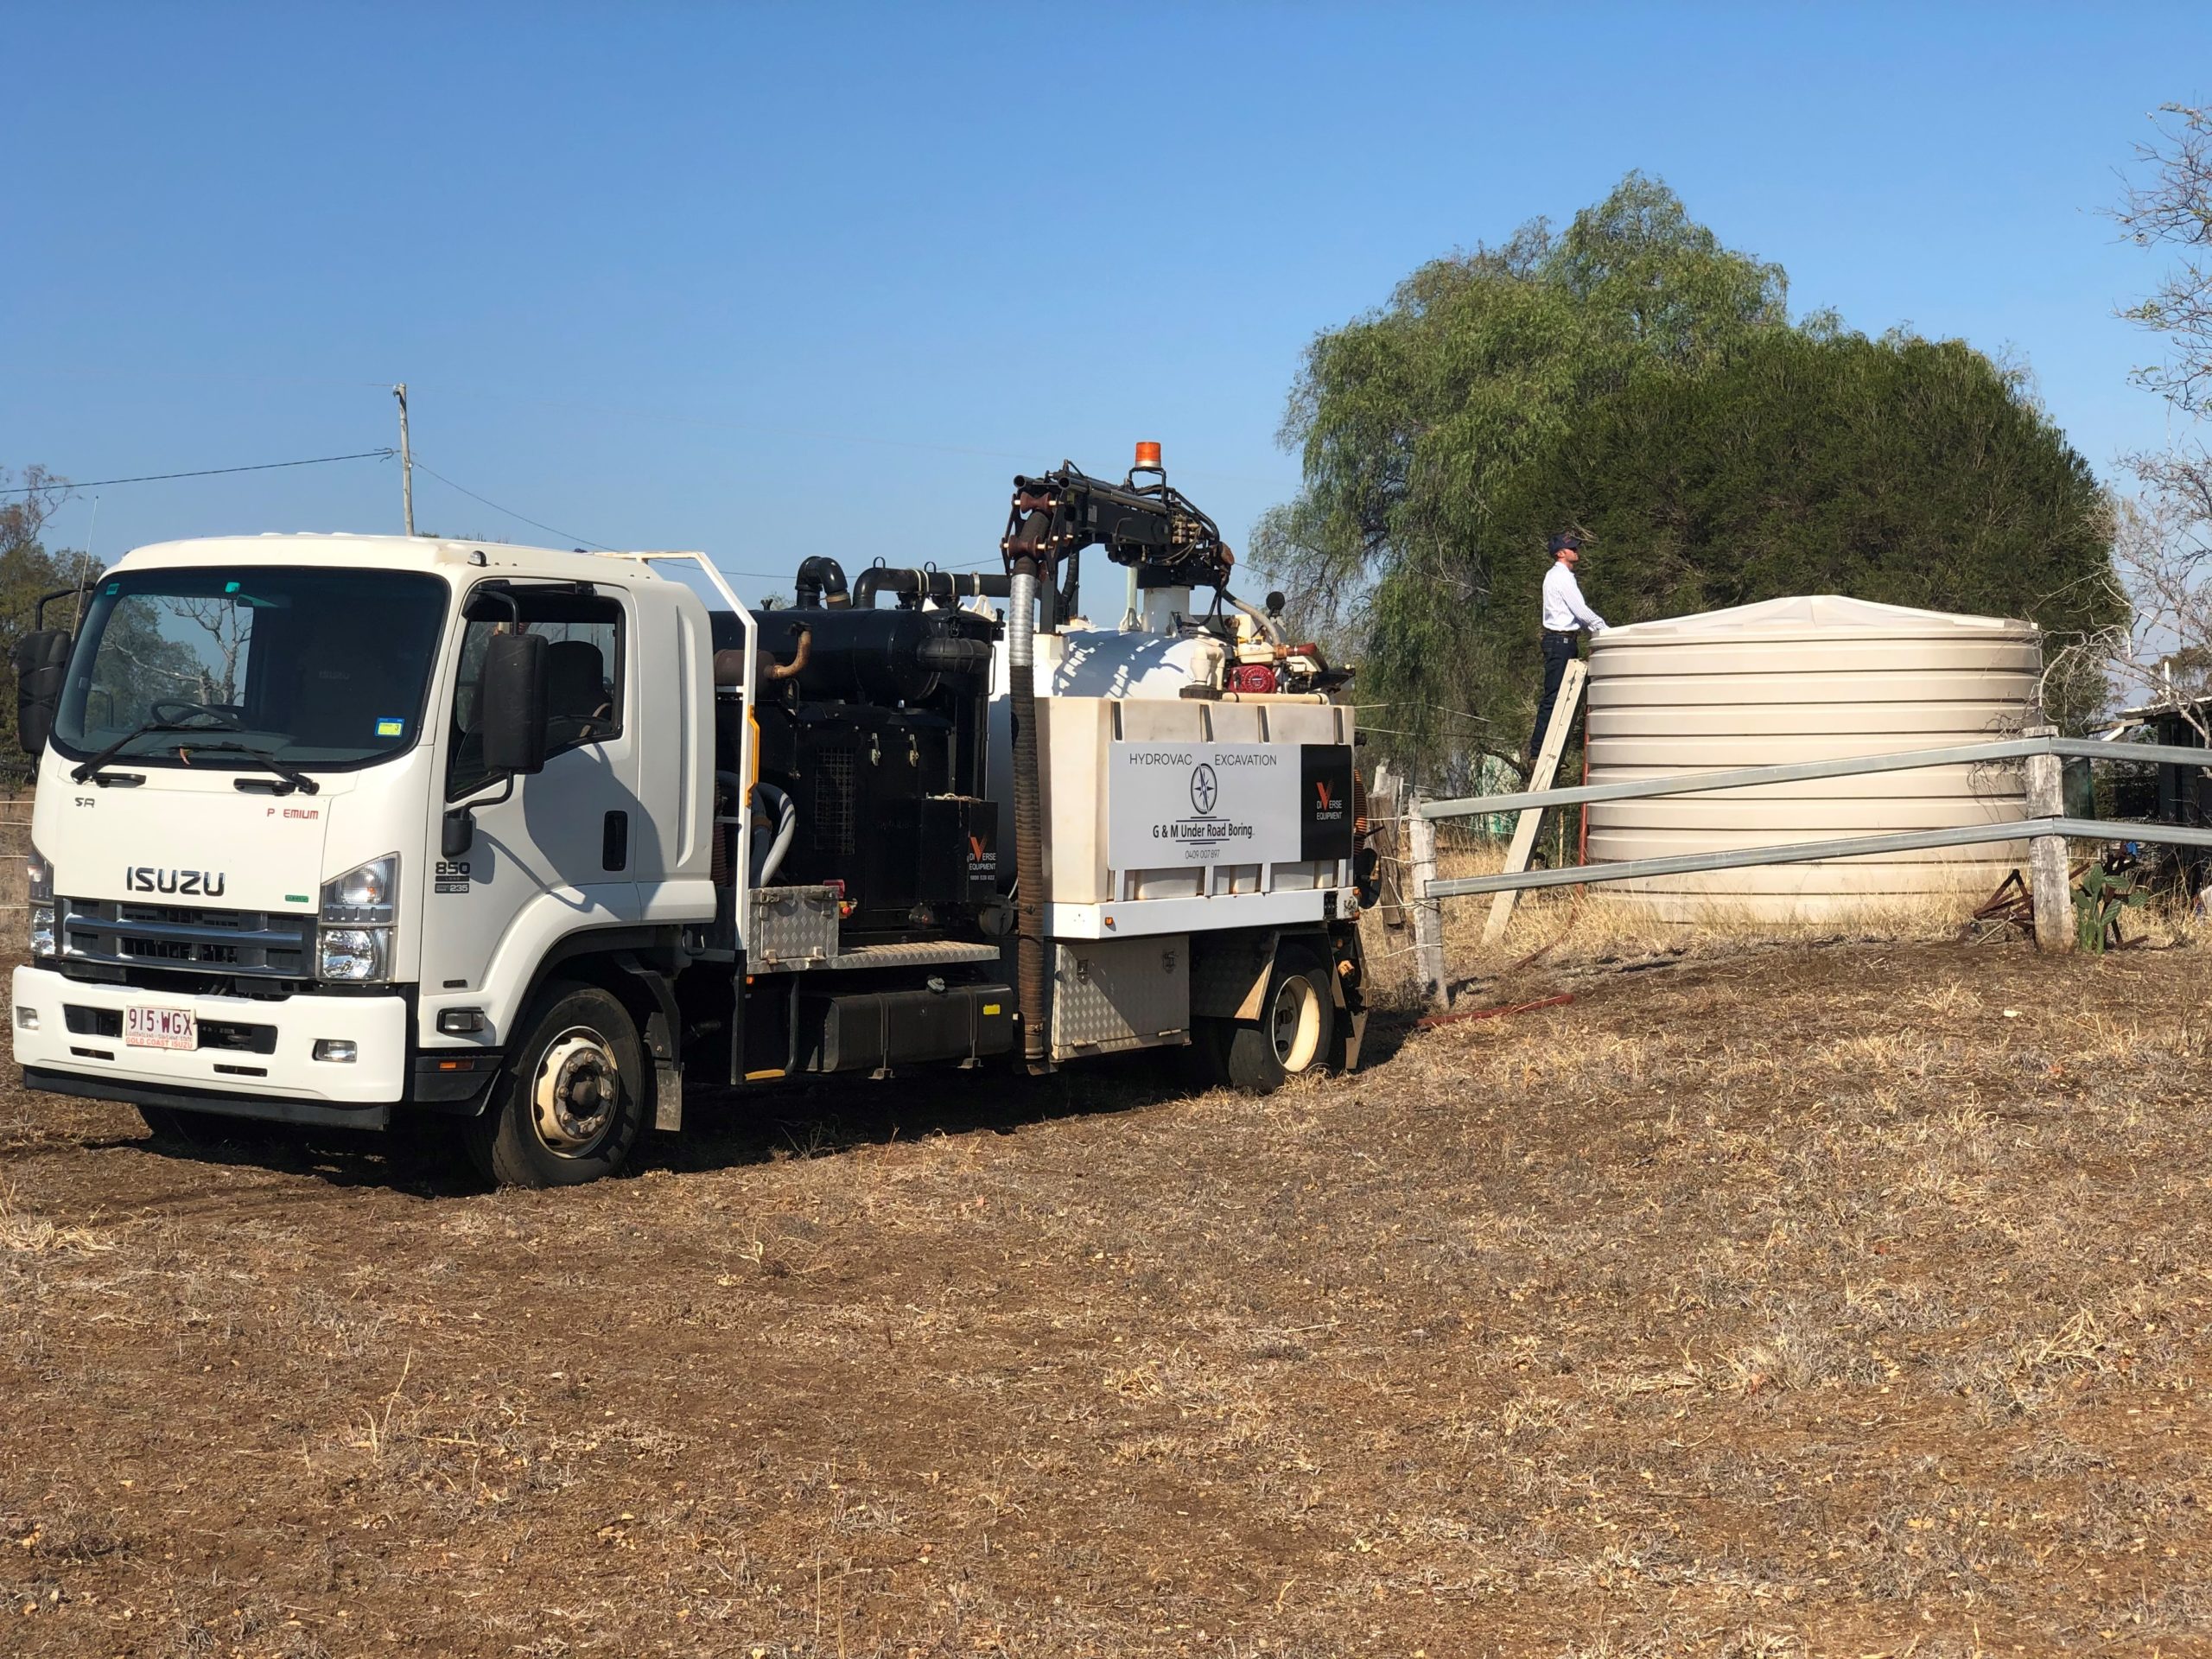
(2099, 897)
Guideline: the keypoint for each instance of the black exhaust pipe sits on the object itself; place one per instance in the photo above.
(816, 577)
(912, 586)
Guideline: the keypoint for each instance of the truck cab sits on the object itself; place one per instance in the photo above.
(249, 895)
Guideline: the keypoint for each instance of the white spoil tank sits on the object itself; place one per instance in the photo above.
(1812, 678)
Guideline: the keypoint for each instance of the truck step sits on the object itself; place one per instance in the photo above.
(921, 953)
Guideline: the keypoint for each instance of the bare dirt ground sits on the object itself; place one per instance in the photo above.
(1844, 1299)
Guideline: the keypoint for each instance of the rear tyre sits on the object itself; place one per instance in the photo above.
(571, 1103)
(1296, 1033)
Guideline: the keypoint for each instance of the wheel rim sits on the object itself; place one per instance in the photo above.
(574, 1094)
(1294, 1023)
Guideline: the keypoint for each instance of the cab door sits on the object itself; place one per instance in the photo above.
(554, 857)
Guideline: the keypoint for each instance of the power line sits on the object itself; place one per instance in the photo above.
(679, 418)
(566, 536)
(204, 472)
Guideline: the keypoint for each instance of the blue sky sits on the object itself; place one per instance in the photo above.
(787, 280)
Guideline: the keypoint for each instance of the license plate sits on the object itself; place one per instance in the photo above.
(145, 1027)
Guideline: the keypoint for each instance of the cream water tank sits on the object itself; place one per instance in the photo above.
(1810, 679)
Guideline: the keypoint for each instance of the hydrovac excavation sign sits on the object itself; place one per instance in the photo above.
(1226, 804)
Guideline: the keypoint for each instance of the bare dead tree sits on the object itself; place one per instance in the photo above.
(2175, 210)
(225, 623)
(2161, 657)
(24, 511)
(2162, 553)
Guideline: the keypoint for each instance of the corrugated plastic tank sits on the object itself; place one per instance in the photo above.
(1807, 679)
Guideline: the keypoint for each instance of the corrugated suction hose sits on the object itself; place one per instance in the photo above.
(1030, 984)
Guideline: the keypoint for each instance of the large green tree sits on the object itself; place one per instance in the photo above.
(1909, 471)
(1634, 378)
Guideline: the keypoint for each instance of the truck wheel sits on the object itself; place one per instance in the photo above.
(1293, 1033)
(571, 1102)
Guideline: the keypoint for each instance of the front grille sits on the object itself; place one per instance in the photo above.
(116, 933)
(92, 1023)
(243, 1038)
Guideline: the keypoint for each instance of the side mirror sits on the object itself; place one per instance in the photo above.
(42, 665)
(514, 691)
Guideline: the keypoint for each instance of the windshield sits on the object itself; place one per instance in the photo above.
(314, 667)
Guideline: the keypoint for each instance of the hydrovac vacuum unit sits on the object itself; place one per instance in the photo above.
(872, 724)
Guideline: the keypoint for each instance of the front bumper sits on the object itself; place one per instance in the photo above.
(281, 1066)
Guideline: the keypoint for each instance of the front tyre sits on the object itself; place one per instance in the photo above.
(1296, 1030)
(571, 1102)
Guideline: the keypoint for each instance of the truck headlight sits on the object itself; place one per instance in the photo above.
(358, 911)
(41, 875)
(367, 895)
(355, 954)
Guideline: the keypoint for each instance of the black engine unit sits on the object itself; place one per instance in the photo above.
(880, 739)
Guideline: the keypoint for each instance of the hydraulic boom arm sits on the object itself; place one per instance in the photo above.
(1150, 525)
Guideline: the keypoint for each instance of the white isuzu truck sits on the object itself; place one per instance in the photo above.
(364, 830)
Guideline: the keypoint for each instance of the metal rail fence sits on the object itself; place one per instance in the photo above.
(2047, 828)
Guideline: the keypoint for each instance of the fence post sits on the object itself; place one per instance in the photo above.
(1428, 912)
(1385, 810)
(2050, 884)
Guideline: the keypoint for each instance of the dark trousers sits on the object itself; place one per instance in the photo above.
(1559, 652)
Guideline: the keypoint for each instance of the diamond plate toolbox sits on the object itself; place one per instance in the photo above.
(1117, 993)
(792, 927)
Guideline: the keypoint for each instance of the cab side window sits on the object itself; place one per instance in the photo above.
(585, 639)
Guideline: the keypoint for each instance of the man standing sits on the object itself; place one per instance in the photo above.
(1565, 615)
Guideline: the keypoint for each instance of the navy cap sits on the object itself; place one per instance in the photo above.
(1561, 542)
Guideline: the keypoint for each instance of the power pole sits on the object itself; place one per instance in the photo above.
(406, 462)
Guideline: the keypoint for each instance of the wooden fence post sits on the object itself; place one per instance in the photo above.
(2050, 884)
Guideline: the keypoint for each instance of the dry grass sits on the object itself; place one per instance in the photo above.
(1768, 1298)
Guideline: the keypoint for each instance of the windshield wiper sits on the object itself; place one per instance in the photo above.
(91, 766)
(291, 774)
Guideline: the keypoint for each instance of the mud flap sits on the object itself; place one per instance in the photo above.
(1353, 1008)
(668, 1094)
(1228, 977)
(659, 1035)
(1354, 1036)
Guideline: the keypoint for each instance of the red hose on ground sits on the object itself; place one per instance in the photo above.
(1435, 1019)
